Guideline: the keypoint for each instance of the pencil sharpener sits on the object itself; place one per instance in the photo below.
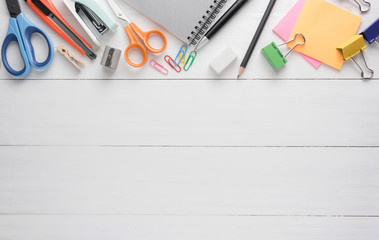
(274, 56)
(111, 58)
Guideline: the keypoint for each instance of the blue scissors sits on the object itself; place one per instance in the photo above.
(21, 30)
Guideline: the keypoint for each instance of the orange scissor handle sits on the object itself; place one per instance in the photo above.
(134, 44)
(144, 36)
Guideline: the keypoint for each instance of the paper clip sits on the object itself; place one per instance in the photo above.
(181, 54)
(158, 67)
(361, 7)
(70, 57)
(172, 63)
(190, 60)
(182, 63)
(275, 57)
(371, 34)
(353, 47)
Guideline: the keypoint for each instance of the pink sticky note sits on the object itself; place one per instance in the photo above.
(287, 24)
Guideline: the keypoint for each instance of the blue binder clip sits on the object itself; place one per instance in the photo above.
(371, 34)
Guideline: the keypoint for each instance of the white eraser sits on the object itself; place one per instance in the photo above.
(223, 60)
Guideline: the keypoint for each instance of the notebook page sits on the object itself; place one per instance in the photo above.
(180, 17)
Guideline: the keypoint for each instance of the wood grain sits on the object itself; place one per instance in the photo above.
(133, 154)
(190, 181)
(190, 113)
(184, 227)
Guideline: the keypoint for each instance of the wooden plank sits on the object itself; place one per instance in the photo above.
(195, 181)
(190, 113)
(187, 227)
(237, 34)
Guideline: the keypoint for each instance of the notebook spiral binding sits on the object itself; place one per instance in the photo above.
(206, 21)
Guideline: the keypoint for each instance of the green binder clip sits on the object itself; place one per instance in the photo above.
(275, 57)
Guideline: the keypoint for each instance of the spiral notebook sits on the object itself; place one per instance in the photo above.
(188, 20)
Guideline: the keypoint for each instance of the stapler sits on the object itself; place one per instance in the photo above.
(92, 15)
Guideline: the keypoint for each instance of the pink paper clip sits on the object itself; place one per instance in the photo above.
(172, 63)
(158, 67)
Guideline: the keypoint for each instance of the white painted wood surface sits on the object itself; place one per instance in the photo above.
(137, 155)
(190, 181)
(190, 113)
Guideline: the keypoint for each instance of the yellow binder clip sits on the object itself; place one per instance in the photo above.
(353, 47)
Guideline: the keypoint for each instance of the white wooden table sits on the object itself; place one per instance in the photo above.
(138, 155)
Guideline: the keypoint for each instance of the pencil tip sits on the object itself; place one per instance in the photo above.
(242, 69)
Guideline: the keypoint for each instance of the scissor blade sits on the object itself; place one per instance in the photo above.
(117, 10)
(13, 8)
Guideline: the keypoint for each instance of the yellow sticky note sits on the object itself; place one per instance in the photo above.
(325, 27)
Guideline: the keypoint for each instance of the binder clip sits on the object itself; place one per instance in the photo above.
(371, 34)
(111, 58)
(92, 15)
(353, 47)
(368, 4)
(275, 57)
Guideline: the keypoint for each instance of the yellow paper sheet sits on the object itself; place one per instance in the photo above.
(325, 27)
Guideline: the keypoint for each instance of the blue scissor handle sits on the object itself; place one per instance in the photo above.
(27, 29)
(21, 31)
(14, 35)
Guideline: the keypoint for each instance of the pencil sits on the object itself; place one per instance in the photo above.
(256, 37)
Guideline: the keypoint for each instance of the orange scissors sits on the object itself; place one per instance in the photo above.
(144, 36)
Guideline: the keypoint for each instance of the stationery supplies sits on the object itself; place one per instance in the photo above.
(284, 28)
(371, 34)
(172, 64)
(325, 27)
(368, 4)
(181, 54)
(20, 31)
(70, 57)
(111, 58)
(353, 47)
(144, 36)
(158, 67)
(190, 60)
(223, 60)
(275, 57)
(46, 10)
(183, 62)
(256, 37)
(220, 23)
(188, 20)
(94, 18)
